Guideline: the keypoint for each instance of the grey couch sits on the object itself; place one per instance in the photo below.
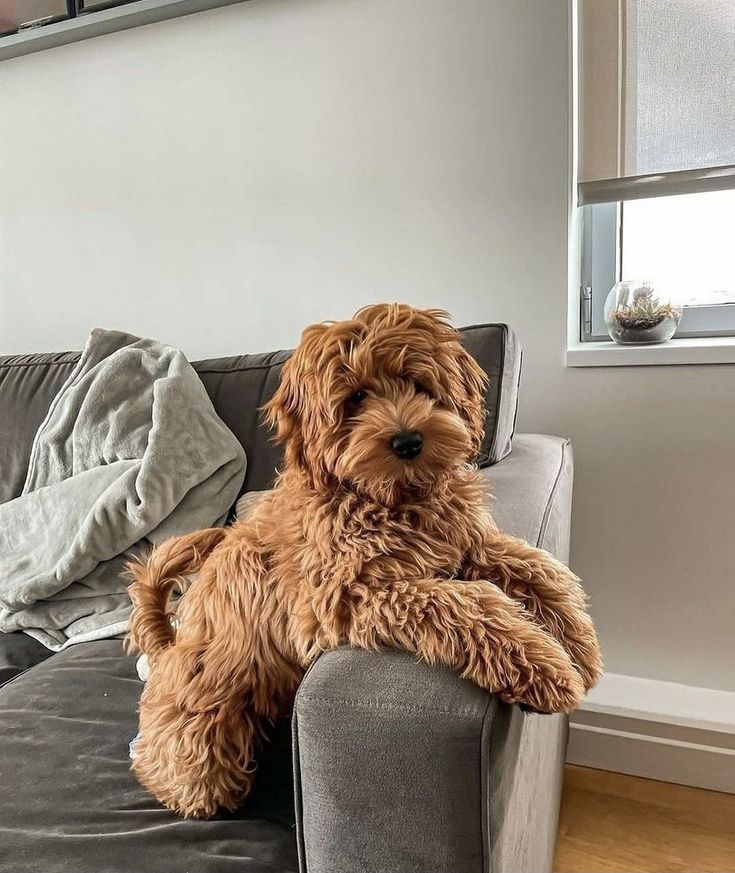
(387, 765)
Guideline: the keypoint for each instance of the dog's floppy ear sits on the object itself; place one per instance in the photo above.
(471, 395)
(284, 411)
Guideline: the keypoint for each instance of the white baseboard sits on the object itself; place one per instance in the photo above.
(658, 730)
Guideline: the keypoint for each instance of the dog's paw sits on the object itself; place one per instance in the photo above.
(548, 694)
(585, 655)
(590, 671)
(547, 679)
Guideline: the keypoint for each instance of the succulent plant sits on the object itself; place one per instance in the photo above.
(644, 312)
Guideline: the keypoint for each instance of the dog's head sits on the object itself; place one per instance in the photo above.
(387, 403)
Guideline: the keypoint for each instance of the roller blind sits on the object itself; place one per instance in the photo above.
(656, 85)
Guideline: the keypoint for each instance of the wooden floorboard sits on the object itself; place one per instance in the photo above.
(612, 823)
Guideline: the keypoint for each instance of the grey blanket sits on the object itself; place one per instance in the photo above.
(130, 453)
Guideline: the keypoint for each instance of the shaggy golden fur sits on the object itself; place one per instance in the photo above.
(354, 545)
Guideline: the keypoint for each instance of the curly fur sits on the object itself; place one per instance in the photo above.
(355, 546)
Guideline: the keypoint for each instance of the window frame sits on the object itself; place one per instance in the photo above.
(588, 348)
(99, 5)
(602, 256)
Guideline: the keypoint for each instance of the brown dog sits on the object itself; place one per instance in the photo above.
(377, 532)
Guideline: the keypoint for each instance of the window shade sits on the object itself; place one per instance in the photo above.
(656, 83)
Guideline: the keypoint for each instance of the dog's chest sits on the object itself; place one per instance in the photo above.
(413, 542)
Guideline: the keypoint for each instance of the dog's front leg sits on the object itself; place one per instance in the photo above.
(546, 588)
(472, 627)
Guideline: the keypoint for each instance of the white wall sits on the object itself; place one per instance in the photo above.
(223, 179)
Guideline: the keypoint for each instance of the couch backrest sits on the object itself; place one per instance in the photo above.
(238, 387)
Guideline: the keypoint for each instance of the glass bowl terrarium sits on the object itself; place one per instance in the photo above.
(636, 313)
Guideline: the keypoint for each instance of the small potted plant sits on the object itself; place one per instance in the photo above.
(634, 313)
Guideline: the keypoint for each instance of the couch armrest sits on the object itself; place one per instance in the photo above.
(404, 767)
(532, 491)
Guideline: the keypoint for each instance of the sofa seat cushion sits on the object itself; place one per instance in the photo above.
(69, 801)
(19, 652)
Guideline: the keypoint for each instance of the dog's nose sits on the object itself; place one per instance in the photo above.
(407, 445)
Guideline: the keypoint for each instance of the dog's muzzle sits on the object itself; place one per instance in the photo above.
(407, 445)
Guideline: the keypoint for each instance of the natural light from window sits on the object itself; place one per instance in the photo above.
(685, 245)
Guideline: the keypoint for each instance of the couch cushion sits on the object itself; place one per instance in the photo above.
(19, 652)
(70, 803)
(496, 349)
(28, 384)
(238, 386)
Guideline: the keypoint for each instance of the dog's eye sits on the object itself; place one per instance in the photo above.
(420, 389)
(357, 398)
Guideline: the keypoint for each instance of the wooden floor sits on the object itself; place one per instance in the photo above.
(611, 822)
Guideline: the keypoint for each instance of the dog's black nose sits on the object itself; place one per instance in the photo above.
(407, 445)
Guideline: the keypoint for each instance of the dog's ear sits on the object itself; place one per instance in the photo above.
(470, 394)
(461, 376)
(284, 411)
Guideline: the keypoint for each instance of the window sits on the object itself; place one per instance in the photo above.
(656, 117)
(94, 5)
(682, 244)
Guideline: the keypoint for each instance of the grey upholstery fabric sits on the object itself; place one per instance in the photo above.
(390, 762)
(70, 803)
(404, 768)
(238, 387)
(501, 360)
(19, 652)
(524, 772)
(532, 492)
(28, 384)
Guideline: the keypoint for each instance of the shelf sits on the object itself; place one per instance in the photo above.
(93, 24)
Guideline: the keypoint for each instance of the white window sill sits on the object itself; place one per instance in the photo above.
(701, 350)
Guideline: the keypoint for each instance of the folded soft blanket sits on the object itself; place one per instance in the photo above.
(130, 453)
